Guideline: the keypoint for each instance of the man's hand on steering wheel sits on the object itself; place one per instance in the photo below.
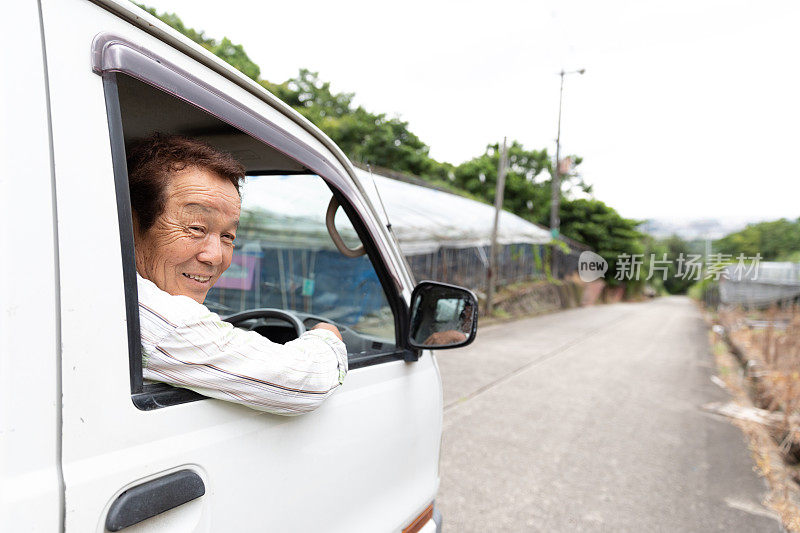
(329, 327)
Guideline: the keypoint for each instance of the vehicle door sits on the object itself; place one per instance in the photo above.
(367, 459)
(30, 484)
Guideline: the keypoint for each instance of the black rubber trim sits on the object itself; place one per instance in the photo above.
(158, 395)
(373, 359)
(125, 220)
(154, 497)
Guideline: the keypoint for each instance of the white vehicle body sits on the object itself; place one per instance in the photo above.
(71, 438)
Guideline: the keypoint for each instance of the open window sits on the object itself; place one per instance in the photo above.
(285, 257)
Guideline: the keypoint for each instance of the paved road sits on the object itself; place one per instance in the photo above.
(589, 420)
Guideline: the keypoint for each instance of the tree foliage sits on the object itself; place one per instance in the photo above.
(670, 250)
(364, 136)
(233, 54)
(778, 240)
(379, 140)
(528, 180)
(599, 226)
(674, 246)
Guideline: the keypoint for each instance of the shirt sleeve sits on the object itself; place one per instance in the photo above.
(214, 358)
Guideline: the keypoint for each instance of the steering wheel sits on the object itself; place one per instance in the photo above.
(267, 312)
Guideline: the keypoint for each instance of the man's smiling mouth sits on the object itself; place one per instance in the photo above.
(201, 279)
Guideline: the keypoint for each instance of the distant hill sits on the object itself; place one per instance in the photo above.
(694, 229)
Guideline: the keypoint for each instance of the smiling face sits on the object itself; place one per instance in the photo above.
(190, 244)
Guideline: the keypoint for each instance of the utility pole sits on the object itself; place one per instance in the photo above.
(555, 192)
(498, 207)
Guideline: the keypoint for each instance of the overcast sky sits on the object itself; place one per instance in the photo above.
(688, 109)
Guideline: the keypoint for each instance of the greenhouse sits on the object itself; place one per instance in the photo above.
(285, 257)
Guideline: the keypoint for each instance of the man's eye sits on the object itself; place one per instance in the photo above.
(229, 237)
(197, 229)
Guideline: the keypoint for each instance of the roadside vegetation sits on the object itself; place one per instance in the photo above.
(758, 359)
(777, 240)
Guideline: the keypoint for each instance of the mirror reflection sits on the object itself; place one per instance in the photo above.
(442, 316)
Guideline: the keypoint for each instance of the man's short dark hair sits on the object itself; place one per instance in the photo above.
(152, 162)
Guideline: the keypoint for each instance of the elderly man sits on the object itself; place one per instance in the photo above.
(185, 201)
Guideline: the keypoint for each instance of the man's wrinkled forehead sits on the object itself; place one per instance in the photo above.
(194, 208)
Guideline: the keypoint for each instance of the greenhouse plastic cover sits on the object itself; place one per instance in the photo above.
(760, 284)
(426, 219)
(423, 219)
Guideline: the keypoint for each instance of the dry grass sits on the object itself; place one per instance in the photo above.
(769, 463)
(767, 376)
(770, 344)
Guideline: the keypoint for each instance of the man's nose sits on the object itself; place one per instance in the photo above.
(211, 253)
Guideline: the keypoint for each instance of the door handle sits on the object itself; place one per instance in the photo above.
(154, 497)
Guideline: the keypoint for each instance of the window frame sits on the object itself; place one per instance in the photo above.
(112, 55)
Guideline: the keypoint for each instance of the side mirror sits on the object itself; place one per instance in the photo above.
(442, 316)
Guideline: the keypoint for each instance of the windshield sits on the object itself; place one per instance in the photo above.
(285, 258)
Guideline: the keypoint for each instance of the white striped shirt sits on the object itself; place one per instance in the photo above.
(186, 345)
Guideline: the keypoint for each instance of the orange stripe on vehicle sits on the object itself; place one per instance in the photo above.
(420, 521)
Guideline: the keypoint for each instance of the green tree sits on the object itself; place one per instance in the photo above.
(364, 136)
(603, 229)
(388, 142)
(527, 193)
(665, 255)
(379, 140)
(675, 247)
(778, 240)
(234, 54)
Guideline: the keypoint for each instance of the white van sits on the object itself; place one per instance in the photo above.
(85, 444)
